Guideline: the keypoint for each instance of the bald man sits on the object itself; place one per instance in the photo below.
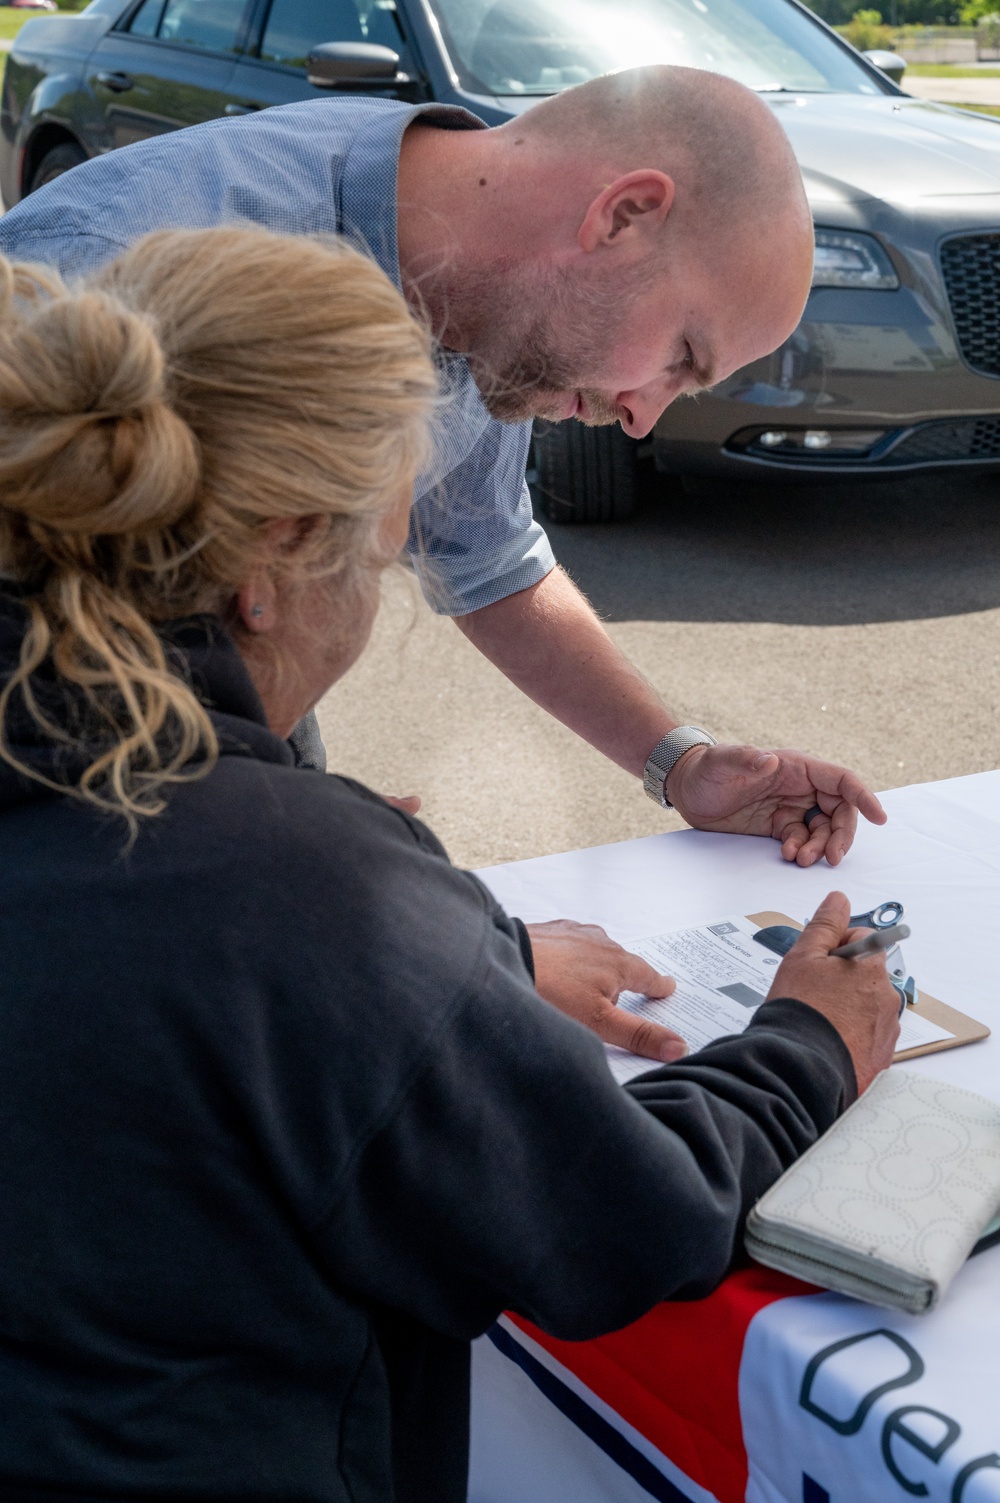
(634, 238)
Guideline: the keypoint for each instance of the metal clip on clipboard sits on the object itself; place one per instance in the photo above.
(780, 938)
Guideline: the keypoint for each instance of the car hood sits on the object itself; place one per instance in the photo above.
(896, 148)
(854, 148)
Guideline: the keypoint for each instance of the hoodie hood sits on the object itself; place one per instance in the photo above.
(205, 655)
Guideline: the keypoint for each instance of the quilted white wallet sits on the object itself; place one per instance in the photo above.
(889, 1203)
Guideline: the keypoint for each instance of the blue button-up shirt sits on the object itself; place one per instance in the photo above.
(320, 167)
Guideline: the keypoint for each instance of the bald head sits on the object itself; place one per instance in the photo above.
(719, 142)
(628, 240)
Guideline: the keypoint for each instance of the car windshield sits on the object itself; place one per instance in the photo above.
(542, 46)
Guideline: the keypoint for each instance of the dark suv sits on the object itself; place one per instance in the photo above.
(120, 72)
(896, 363)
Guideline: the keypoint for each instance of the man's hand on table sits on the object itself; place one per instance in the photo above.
(741, 790)
(582, 972)
(856, 996)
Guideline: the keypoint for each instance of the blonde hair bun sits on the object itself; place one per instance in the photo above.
(154, 420)
(89, 443)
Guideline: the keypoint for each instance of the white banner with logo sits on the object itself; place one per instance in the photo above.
(844, 1403)
(837, 1402)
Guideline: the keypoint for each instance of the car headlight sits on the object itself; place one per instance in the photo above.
(846, 260)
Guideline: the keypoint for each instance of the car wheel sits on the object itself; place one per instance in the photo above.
(585, 474)
(55, 162)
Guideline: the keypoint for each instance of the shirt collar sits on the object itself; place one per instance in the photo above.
(370, 178)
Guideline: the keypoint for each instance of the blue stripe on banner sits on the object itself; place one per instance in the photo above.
(593, 1425)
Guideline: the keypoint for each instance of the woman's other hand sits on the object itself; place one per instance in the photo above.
(582, 972)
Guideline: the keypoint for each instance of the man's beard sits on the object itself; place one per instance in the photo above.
(537, 383)
(522, 366)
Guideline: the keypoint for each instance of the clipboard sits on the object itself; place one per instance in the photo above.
(966, 1030)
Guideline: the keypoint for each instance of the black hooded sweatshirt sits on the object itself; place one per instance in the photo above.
(284, 1125)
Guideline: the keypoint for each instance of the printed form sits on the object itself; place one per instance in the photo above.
(723, 975)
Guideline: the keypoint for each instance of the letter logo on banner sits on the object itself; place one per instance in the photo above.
(958, 1491)
(894, 1426)
(913, 1371)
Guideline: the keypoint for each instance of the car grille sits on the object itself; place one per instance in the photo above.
(967, 438)
(971, 268)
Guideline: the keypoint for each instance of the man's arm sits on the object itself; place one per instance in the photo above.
(548, 641)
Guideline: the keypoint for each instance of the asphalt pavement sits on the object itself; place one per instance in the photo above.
(859, 621)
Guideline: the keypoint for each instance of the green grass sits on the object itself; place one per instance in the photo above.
(979, 109)
(11, 21)
(947, 70)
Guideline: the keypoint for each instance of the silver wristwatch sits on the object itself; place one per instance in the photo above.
(663, 756)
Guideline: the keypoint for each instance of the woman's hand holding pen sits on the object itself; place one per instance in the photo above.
(855, 995)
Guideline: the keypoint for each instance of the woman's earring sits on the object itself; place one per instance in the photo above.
(256, 610)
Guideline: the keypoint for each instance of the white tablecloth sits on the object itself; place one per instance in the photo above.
(940, 856)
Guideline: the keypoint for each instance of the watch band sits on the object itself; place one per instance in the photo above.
(663, 756)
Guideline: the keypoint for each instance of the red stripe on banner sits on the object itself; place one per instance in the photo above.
(674, 1375)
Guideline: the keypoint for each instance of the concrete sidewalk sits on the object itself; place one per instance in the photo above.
(860, 622)
(955, 90)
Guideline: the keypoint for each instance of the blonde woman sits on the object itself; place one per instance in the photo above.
(283, 1121)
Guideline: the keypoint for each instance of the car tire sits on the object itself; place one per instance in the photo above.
(55, 162)
(585, 474)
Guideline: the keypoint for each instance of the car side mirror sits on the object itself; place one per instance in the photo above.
(889, 63)
(332, 64)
